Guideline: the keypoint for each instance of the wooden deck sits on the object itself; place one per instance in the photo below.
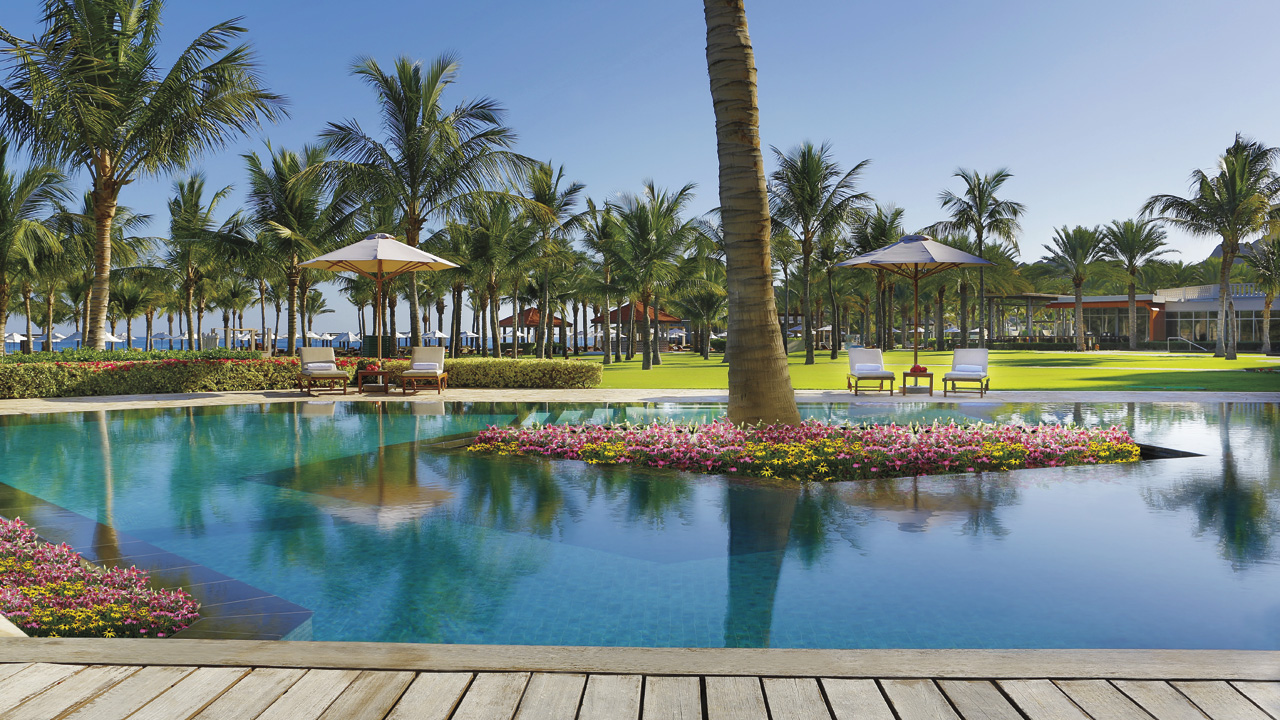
(241, 680)
(42, 691)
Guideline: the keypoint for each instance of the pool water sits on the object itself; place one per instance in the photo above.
(347, 510)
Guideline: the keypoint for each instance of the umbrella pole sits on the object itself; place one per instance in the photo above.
(377, 320)
(915, 329)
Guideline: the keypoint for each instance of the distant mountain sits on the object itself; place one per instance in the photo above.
(1246, 248)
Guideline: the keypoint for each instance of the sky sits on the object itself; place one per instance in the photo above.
(1093, 106)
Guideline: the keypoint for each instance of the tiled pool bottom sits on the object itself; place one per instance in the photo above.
(338, 509)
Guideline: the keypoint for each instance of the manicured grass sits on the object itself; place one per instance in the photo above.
(1010, 370)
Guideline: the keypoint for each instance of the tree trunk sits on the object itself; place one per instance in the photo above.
(4, 305)
(939, 323)
(1133, 314)
(806, 302)
(292, 309)
(631, 331)
(262, 305)
(1266, 323)
(759, 381)
(646, 358)
(1079, 316)
(104, 212)
(440, 313)
(657, 331)
(835, 319)
(48, 323)
(964, 315)
(1221, 348)
(982, 289)
(607, 328)
(149, 344)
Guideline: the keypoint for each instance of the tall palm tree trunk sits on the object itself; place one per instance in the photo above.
(631, 331)
(964, 315)
(1266, 323)
(835, 318)
(939, 336)
(104, 212)
(1079, 285)
(1133, 313)
(1222, 348)
(267, 341)
(806, 304)
(646, 359)
(657, 331)
(759, 381)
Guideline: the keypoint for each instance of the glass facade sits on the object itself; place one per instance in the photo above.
(1202, 326)
(1104, 324)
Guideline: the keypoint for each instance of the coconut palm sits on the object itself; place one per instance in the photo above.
(1265, 261)
(431, 156)
(656, 237)
(1134, 243)
(1240, 201)
(600, 235)
(978, 211)
(786, 253)
(300, 218)
(550, 209)
(879, 228)
(813, 198)
(1071, 253)
(26, 198)
(759, 382)
(88, 93)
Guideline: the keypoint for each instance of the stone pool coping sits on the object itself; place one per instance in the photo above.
(1254, 665)
(36, 406)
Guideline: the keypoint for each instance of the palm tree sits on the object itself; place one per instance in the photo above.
(1133, 243)
(759, 382)
(432, 156)
(88, 93)
(25, 200)
(877, 229)
(300, 218)
(1265, 261)
(1071, 252)
(656, 238)
(811, 196)
(978, 211)
(600, 235)
(1242, 200)
(786, 252)
(551, 211)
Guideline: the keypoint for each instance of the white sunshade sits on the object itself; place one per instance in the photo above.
(14, 337)
(469, 334)
(313, 336)
(108, 337)
(346, 337)
(77, 335)
(162, 336)
(441, 336)
(379, 254)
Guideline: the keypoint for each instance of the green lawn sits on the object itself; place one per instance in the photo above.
(1010, 370)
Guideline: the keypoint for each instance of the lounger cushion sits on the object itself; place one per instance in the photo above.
(420, 373)
(320, 366)
(969, 369)
(867, 367)
(964, 376)
(874, 375)
(425, 366)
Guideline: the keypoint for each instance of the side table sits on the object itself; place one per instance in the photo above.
(917, 377)
(383, 378)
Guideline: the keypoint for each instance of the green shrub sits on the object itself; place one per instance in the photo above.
(64, 379)
(718, 344)
(91, 355)
(474, 372)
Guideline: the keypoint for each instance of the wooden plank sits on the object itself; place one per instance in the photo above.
(735, 698)
(132, 693)
(611, 697)
(552, 696)
(1101, 700)
(31, 680)
(1265, 694)
(370, 697)
(492, 696)
(856, 699)
(8, 669)
(1042, 700)
(191, 694)
(432, 696)
(672, 698)
(978, 700)
(74, 691)
(1220, 701)
(252, 695)
(795, 699)
(918, 700)
(1160, 699)
(310, 696)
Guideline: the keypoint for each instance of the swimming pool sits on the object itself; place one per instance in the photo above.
(346, 510)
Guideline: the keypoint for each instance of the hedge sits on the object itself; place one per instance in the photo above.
(67, 379)
(91, 355)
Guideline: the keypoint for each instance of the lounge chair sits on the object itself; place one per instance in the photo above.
(319, 366)
(968, 366)
(425, 357)
(867, 366)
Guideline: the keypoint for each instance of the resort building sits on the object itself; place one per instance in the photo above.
(1189, 313)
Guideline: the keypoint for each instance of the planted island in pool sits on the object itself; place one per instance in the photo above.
(816, 450)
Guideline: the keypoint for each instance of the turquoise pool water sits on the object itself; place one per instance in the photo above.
(344, 510)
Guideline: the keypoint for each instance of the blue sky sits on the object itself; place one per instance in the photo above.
(1094, 106)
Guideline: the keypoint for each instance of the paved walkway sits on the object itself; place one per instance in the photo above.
(176, 679)
(125, 402)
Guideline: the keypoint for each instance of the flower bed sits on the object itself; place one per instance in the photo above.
(49, 591)
(815, 450)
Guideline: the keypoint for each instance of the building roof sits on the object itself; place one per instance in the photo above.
(625, 311)
(529, 318)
